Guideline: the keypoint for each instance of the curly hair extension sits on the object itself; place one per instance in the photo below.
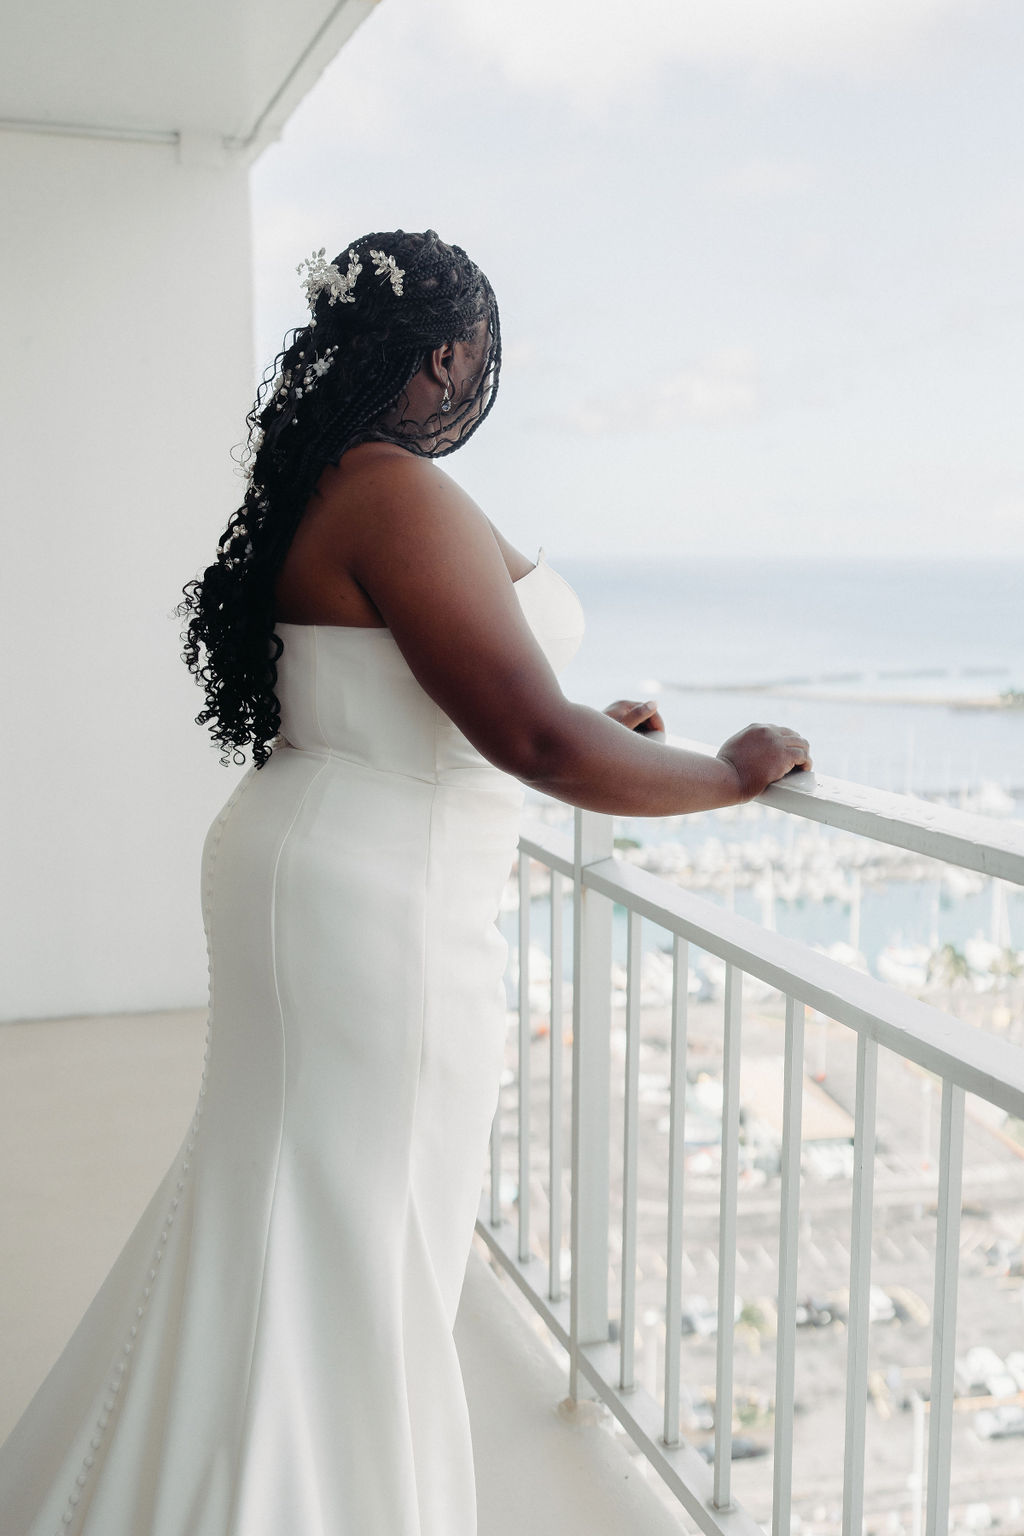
(338, 381)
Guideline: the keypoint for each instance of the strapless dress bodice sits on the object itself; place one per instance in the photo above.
(349, 692)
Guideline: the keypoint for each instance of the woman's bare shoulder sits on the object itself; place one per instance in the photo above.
(380, 495)
(372, 469)
(364, 507)
(378, 480)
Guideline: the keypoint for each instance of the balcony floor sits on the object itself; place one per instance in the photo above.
(91, 1112)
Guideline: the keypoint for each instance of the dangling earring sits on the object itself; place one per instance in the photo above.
(446, 404)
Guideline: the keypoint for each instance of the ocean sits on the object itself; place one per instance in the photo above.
(888, 649)
(913, 630)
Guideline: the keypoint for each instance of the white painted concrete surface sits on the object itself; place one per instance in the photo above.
(126, 133)
(543, 1468)
(125, 314)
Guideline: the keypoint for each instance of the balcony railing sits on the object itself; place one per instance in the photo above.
(964, 1059)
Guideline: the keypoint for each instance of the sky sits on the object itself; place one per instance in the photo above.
(758, 261)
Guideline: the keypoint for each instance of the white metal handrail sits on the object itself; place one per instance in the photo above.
(904, 821)
(965, 1059)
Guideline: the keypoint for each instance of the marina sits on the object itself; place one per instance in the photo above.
(908, 919)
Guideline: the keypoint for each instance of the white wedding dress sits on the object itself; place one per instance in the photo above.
(272, 1352)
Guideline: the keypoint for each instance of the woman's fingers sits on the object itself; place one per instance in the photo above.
(762, 754)
(801, 746)
(636, 716)
(626, 711)
(796, 744)
(652, 725)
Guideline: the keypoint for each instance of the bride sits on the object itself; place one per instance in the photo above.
(272, 1350)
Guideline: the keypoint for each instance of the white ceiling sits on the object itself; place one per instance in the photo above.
(231, 68)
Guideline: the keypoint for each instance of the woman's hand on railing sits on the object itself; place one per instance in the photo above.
(637, 717)
(760, 754)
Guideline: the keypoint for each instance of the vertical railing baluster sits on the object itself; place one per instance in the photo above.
(789, 1233)
(627, 1309)
(524, 1058)
(591, 1060)
(676, 1160)
(555, 1099)
(860, 1285)
(947, 1259)
(722, 1498)
(496, 1163)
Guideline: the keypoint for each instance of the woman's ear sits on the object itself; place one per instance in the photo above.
(440, 363)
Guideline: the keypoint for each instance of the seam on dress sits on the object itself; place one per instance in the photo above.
(374, 768)
(229, 1526)
(427, 864)
(316, 687)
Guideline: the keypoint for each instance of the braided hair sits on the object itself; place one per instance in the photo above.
(339, 380)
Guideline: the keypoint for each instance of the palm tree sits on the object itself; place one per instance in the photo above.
(947, 966)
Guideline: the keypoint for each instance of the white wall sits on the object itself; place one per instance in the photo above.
(125, 307)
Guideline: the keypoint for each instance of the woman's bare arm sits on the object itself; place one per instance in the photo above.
(427, 558)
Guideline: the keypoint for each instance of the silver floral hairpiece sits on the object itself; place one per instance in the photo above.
(321, 274)
(236, 531)
(290, 385)
(385, 266)
(293, 383)
(300, 381)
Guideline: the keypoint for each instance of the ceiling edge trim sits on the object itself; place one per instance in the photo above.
(89, 130)
(342, 20)
(345, 16)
